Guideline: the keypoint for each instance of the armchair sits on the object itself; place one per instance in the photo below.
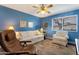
(60, 38)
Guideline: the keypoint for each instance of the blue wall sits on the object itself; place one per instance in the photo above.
(72, 35)
(11, 17)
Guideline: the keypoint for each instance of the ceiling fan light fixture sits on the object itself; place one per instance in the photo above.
(43, 11)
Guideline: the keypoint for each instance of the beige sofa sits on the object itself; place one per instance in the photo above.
(33, 36)
(60, 38)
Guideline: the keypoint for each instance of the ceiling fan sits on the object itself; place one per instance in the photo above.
(43, 8)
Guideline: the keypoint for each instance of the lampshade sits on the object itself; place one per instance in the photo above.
(38, 32)
(42, 30)
(10, 28)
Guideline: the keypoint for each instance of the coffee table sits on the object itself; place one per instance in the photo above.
(25, 42)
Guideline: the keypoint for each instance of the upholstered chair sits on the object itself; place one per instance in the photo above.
(61, 38)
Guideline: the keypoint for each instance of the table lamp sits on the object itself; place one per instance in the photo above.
(11, 28)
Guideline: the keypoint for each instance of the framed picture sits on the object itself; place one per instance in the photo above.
(67, 23)
(57, 24)
(30, 24)
(23, 23)
(70, 23)
(45, 25)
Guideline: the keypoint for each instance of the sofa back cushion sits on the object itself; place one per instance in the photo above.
(31, 33)
(26, 34)
(62, 33)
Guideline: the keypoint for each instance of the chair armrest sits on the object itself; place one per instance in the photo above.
(67, 36)
(54, 35)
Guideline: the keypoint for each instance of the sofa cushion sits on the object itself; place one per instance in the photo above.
(59, 42)
(31, 33)
(60, 38)
(28, 35)
(63, 34)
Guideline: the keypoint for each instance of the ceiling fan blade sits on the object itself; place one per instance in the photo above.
(49, 6)
(38, 12)
(48, 12)
(35, 6)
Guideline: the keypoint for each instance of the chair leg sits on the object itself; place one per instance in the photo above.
(66, 45)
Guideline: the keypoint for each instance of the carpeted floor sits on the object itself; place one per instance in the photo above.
(46, 47)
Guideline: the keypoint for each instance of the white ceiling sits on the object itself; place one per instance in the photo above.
(57, 8)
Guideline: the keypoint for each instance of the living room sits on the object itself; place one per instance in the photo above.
(50, 29)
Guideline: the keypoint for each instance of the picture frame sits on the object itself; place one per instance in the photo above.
(57, 24)
(67, 23)
(70, 23)
(23, 23)
(30, 24)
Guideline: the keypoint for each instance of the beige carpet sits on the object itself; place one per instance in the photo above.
(46, 47)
